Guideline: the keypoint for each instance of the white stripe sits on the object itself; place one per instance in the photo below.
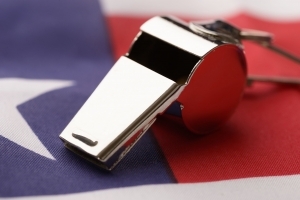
(279, 10)
(211, 8)
(267, 188)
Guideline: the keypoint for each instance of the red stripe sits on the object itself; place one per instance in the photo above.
(122, 32)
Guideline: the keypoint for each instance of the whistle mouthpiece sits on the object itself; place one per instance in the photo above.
(118, 113)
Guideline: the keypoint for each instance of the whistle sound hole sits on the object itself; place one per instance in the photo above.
(163, 58)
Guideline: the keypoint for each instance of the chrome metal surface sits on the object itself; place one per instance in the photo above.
(282, 52)
(256, 36)
(272, 79)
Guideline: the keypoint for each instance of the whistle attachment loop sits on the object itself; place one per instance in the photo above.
(219, 29)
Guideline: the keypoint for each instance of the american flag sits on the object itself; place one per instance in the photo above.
(54, 53)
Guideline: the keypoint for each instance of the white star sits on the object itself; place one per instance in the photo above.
(16, 91)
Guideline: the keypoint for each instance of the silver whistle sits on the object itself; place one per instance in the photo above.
(201, 67)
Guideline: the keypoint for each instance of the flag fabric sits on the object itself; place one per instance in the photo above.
(54, 53)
